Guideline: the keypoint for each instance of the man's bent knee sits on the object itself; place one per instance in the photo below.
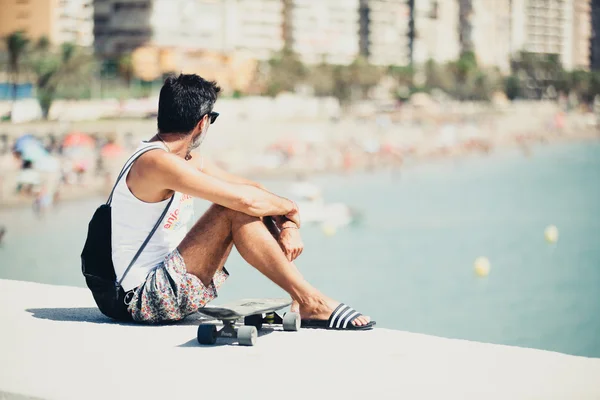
(232, 215)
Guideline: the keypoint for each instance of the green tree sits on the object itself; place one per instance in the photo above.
(363, 76)
(404, 76)
(437, 76)
(55, 68)
(581, 85)
(285, 71)
(512, 87)
(342, 85)
(125, 67)
(16, 44)
(537, 72)
(322, 79)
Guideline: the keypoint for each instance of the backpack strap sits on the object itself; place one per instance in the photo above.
(156, 225)
(126, 168)
(128, 165)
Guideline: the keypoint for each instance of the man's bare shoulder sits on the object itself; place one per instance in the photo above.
(145, 179)
(153, 161)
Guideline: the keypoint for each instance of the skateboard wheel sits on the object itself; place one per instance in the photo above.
(291, 321)
(207, 334)
(247, 335)
(254, 320)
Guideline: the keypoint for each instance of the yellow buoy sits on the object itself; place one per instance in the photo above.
(551, 234)
(482, 266)
(328, 229)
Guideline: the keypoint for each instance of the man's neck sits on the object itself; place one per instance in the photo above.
(176, 143)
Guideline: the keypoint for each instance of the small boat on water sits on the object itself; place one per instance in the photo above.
(314, 209)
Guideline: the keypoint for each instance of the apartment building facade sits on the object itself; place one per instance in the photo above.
(485, 30)
(582, 33)
(59, 21)
(189, 25)
(595, 35)
(323, 31)
(543, 27)
(436, 31)
(384, 31)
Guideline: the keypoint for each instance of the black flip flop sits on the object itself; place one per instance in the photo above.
(341, 319)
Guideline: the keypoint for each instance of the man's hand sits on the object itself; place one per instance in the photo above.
(287, 234)
(293, 217)
(291, 242)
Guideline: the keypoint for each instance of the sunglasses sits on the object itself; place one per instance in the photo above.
(213, 116)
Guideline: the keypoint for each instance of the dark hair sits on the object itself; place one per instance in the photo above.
(183, 101)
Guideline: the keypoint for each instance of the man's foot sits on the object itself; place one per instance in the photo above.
(295, 307)
(320, 308)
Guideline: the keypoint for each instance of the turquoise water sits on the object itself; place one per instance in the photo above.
(409, 264)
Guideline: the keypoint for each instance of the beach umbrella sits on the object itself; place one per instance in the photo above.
(30, 148)
(111, 150)
(78, 139)
(26, 141)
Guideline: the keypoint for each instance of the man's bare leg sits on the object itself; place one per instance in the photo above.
(272, 227)
(207, 246)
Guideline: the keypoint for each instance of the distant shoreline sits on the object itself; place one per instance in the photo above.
(98, 187)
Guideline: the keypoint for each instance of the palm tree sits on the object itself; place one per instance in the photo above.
(16, 43)
(363, 76)
(69, 66)
(286, 71)
(125, 65)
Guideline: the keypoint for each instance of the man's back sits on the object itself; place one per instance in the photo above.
(132, 221)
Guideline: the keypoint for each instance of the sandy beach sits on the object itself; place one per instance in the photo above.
(287, 147)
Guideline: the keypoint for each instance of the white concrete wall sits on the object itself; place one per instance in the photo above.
(56, 345)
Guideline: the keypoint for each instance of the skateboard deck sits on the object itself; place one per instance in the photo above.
(244, 307)
(251, 310)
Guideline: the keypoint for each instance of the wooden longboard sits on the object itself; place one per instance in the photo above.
(245, 307)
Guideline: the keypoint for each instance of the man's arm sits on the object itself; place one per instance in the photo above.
(171, 172)
(209, 167)
(282, 227)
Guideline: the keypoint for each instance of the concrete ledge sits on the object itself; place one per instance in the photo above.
(56, 345)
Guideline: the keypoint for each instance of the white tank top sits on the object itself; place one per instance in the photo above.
(132, 221)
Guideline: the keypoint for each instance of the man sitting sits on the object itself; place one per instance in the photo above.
(180, 271)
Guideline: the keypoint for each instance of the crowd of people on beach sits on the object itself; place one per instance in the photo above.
(37, 170)
(40, 169)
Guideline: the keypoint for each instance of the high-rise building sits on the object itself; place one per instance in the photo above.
(323, 31)
(582, 32)
(217, 25)
(544, 27)
(595, 38)
(384, 31)
(121, 26)
(58, 21)
(436, 31)
(485, 30)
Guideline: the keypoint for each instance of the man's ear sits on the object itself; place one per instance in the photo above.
(202, 124)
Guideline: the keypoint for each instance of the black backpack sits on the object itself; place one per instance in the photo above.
(96, 257)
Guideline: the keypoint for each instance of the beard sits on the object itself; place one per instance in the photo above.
(197, 142)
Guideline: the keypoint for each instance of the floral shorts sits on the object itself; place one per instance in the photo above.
(169, 293)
